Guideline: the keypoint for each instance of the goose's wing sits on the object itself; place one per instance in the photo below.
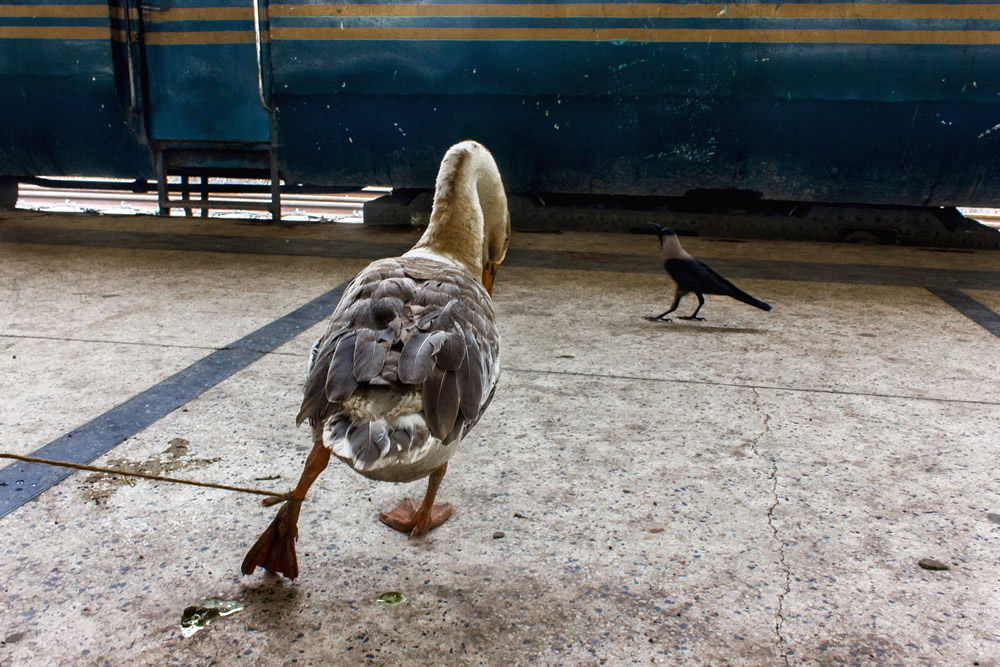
(411, 326)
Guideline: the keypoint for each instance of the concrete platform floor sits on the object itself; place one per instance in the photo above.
(754, 489)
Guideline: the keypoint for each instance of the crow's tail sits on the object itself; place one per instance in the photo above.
(739, 294)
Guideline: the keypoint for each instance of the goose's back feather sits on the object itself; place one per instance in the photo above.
(405, 369)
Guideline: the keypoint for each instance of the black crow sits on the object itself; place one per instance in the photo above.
(694, 277)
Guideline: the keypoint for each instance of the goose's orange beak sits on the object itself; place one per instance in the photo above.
(489, 273)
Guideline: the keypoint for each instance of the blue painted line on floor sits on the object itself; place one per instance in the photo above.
(965, 304)
(21, 482)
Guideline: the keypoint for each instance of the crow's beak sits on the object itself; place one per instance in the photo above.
(489, 274)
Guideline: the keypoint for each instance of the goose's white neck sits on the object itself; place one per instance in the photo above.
(468, 201)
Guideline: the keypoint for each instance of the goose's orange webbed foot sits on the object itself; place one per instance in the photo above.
(407, 518)
(275, 549)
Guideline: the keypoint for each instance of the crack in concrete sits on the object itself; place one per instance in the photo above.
(779, 618)
(97, 341)
(262, 350)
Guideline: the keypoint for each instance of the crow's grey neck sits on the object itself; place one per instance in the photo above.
(670, 248)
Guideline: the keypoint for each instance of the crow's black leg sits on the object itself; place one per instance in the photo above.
(694, 315)
(673, 307)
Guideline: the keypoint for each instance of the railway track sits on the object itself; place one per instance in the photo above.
(342, 207)
(985, 216)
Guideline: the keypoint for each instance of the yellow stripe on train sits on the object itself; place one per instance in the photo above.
(946, 37)
(636, 10)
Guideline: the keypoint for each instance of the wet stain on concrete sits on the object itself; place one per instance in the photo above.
(98, 487)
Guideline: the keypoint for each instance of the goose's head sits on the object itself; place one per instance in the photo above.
(496, 240)
(470, 222)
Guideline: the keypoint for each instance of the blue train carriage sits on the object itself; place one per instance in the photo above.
(890, 103)
(877, 102)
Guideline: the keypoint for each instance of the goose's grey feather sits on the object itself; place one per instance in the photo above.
(404, 439)
(470, 379)
(340, 380)
(370, 351)
(369, 440)
(417, 359)
(338, 425)
(395, 288)
(452, 351)
(441, 399)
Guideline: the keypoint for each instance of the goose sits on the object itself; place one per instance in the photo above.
(410, 360)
